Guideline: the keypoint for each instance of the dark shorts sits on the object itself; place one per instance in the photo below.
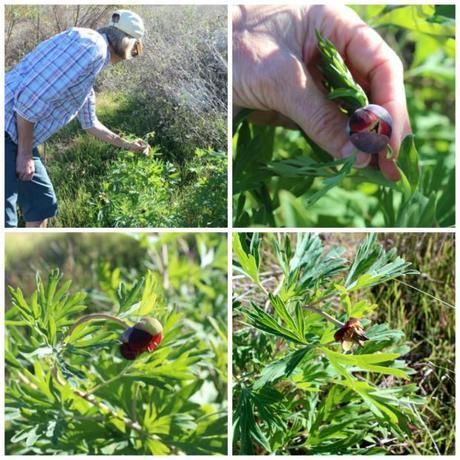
(35, 198)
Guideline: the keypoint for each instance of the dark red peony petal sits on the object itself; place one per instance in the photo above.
(139, 340)
(156, 339)
(135, 340)
(369, 142)
(127, 352)
(370, 129)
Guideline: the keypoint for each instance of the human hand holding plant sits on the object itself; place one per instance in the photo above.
(275, 58)
(138, 146)
(25, 166)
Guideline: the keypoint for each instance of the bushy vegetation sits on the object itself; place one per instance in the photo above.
(296, 391)
(174, 96)
(281, 178)
(69, 391)
(100, 185)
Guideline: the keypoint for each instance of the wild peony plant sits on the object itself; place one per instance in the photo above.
(312, 373)
(122, 382)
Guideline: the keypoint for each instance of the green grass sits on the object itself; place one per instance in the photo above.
(430, 324)
(98, 185)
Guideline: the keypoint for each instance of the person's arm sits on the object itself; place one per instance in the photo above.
(103, 133)
(90, 123)
(25, 167)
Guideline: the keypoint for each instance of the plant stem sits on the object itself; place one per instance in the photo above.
(94, 317)
(325, 315)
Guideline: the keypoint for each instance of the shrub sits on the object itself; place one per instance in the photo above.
(296, 390)
(70, 391)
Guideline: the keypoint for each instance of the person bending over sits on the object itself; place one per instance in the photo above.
(49, 87)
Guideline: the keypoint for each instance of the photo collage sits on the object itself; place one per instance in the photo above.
(229, 229)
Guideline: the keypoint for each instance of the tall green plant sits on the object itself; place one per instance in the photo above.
(70, 391)
(296, 391)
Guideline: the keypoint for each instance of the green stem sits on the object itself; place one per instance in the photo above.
(107, 382)
(94, 317)
(325, 315)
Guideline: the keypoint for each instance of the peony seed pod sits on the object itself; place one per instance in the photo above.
(145, 335)
(369, 129)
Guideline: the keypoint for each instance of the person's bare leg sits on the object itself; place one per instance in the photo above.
(37, 224)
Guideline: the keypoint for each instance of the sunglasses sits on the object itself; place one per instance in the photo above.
(137, 49)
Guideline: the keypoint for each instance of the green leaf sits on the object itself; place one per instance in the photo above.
(333, 181)
(247, 262)
(281, 310)
(409, 164)
(246, 427)
(282, 368)
(263, 321)
(367, 362)
(373, 265)
(338, 79)
(416, 18)
(149, 301)
(157, 447)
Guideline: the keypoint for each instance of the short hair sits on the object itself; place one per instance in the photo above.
(121, 42)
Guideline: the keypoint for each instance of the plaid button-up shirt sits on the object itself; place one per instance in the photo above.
(54, 83)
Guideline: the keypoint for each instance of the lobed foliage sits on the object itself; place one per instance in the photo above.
(295, 390)
(283, 179)
(69, 391)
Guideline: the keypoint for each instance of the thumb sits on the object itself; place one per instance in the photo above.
(318, 117)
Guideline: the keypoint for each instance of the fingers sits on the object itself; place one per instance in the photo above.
(25, 172)
(388, 167)
(303, 103)
(26, 177)
(318, 117)
(368, 55)
(362, 159)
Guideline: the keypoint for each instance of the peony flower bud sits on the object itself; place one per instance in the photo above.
(145, 335)
(369, 129)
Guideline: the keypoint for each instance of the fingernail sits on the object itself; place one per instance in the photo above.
(347, 150)
(362, 160)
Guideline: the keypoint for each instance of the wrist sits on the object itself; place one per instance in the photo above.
(25, 152)
(120, 142)
(125, 145)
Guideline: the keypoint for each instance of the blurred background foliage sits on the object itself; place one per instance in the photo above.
(186, 279)
(174, 96)
(191, 268)
(423, 36)
(421, 305)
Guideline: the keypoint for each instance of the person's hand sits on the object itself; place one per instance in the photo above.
(274, 71)
(25, 166)
(138, 146)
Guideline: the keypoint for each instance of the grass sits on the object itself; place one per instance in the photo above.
(427, 316)
(98, 185)
(422, 306)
